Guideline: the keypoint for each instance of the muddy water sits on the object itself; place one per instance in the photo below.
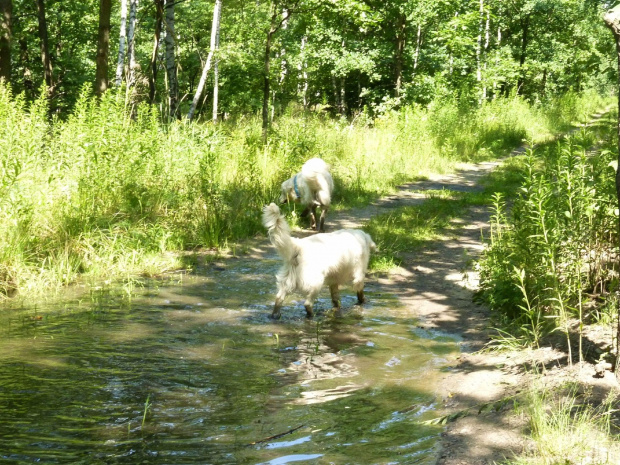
(192, 371)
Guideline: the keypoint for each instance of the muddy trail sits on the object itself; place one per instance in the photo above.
(436, 286)
(190, 368)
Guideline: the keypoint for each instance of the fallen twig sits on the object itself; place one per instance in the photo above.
(276, 436)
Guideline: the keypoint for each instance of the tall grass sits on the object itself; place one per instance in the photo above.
(549, 257)
(104, 194)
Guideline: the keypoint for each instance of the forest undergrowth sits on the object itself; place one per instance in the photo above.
(107, 194)
(549, 274)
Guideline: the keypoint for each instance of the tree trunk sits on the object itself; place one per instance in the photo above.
(487, 30)
(283, 67)
(216, 75)
(171, 65)
(159, 13)
(215, 34)
(6, 13)
(612, 19)
(304, 75)
(479, 47)
(401, 27)
(343, 95)
(121, 44)
(24, 59)
(523, 55)
(131, 42)
(103, 46)
(45, 53)
(274, 27)
(416, 55)
(499, 43)
(266, 72)
(451, 57)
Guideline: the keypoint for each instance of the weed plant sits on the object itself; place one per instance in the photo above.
(549, 254)
(108, 193)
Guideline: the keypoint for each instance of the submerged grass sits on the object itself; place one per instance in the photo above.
(103, 195)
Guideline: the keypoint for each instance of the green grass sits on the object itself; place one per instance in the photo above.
(104, 196)
(569, 426)
(408, 229)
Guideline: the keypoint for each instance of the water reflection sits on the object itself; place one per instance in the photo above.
(192, 370)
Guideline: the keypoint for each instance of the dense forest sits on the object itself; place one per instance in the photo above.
(230, 58)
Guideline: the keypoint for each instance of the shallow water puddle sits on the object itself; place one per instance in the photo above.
(192, 370)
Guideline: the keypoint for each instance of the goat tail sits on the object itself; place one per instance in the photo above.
(279, 231)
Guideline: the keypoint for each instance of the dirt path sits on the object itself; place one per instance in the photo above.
(437, 287)
(434, 286)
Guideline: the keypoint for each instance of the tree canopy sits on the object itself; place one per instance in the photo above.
(340, 55)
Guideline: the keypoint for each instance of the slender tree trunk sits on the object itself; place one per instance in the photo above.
(131, 42)
(524, 42)
(335, 93)
(103, 47)
(343, 94)
(479, 47)
(215, 34)
(171, 65)
(283, 67)
(275, 25)
(304, 74)
(485, 53)
(216, 75)
(45, 52)
(266, 83)
(24, 59)
(499, 43)
(401, 27)
(6, 13)
(451, 57)
(416, 54)
(121, 44)
(159, 13)
(612, 19)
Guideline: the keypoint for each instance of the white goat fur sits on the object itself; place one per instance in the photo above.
(331, 259)
(315, 186)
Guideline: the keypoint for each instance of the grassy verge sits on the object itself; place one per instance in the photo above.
(569, 425)
(105, 196)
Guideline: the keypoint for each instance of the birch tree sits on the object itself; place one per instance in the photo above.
(120, 65)
(215, 32)
(479, 47)
(216, 75)
(171, 65)
(131, 43)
